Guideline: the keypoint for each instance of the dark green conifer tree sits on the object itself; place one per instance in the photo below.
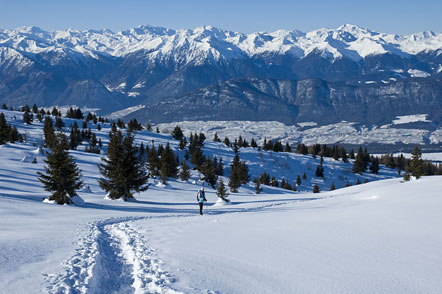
(153, 161)
(177, 133)
(123, 171)
(416, 164)
(234, 180)
(221, 191)
(49, 133)
(374, 167)
(359, 163)
(320, 171)
(62, 176)
(75, 137)
(227, 142)
(258, 188)
(59, 124)
(184, 171)
(93, 147)
(168, 162)
(316, 188)
(274, 182)
(28, 117)
(332, 187)
(4, 129)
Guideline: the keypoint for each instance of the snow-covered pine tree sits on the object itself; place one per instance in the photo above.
(221, 191)
(62, 176)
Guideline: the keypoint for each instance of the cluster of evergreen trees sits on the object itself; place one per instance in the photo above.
(8, 133)
(239, 175)
(265, 179)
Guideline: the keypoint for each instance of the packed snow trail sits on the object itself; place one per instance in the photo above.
(112, 258)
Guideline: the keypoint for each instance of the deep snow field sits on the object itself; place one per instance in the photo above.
(381, 237)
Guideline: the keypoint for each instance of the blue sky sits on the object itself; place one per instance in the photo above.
(246, 16)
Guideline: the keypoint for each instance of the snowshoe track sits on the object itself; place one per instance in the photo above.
(112, 258)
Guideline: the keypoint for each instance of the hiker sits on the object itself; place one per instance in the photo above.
(201, 197)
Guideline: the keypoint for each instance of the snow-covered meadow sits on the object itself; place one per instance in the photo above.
(379, 237)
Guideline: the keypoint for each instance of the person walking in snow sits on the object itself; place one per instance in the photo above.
(201, 198)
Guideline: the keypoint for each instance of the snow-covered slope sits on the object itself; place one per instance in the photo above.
(204, 42)
(309, 133)
(349, 240)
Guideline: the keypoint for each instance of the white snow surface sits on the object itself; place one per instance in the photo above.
(207, 42)
(405, 119)
(380, 237)
(339, 133)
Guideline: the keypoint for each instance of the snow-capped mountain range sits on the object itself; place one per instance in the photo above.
(205, 42)
(161, 75)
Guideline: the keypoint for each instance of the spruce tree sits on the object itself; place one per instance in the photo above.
(168, 162)
(227, 142)
(358, 182)
(406, 175)
(123, 170)
(234, 181)
(4, 129)
(153, 161)
(219, 168)
(359, 164)
(416, 163)
(75, 137)
(332, 187)
(184, 172)
(208, 171)
(298, 180)
(221, 191)
(28, 117)
(62, 176)
(93, 148)
(177, 133)
(320, 171)
(182, 143)
(274, 182)
(49, 133)
(258, 188)
(59, 124)
(374, 167)
(304, 176)
(316, 188)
